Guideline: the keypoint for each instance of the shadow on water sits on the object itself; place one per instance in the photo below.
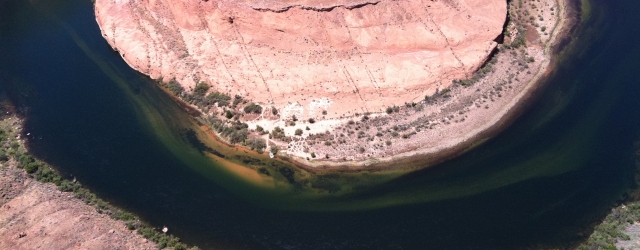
(542, 182)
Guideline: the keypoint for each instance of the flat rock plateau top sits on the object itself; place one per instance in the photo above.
(351, 56)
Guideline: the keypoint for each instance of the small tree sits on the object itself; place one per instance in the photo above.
(298, 132)
(201, 89)
(253, 108)
(389, 110)
(274, 149)
(256, 144)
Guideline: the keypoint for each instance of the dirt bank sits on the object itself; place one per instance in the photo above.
(36, 215)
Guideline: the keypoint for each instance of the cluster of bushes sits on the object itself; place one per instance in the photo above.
(256, 144)
(172, 86)
(606, 234)
(253, 108)
(44, 173)
(163, 240)
(235, 132)
(393, 109)
(200, 98)
(612, 228)
(216, 97)
(520, 39)
(274, 149)
(445, 93)
(278, 133)
(3, 153)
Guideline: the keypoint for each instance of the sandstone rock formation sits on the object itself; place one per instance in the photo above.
(349, 55)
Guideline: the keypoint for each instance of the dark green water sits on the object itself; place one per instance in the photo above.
(542, 182)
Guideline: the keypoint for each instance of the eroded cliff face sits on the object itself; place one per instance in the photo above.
(345, 56)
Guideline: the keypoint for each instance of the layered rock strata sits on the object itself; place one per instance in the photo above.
(353, 56)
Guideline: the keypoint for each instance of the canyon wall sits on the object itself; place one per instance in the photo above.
(345, 56)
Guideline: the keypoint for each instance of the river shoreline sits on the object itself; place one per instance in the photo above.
(36, 214)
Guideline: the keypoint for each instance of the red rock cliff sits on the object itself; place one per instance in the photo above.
(352, 55)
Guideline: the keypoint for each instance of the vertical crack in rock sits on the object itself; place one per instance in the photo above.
(353, 83)
(248, 55)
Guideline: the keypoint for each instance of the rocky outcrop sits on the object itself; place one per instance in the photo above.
(355, 55)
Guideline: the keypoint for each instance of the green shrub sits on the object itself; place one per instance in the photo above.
(24, 159)
(257, 144)
(173, 86)
(3, 136)
(68, 186)
(216, 97)
(274, 149)
(298, 132)
(3, 156)
(520, 40)
(253, 108)
(32, 167)
(237, 100)
(201, 89)
(118, 214)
